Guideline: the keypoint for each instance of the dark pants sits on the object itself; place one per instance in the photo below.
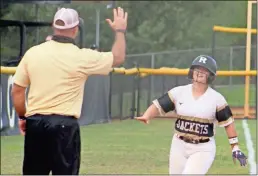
(52, 143)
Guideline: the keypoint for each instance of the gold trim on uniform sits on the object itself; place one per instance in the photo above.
(196, 119)
(156, 103)
(194, 128)
(206, 127)
(222, 107)
(224, 115)
(226, 122)
(191, 136)
(171, 98)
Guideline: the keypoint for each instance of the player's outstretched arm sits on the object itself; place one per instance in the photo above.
(150, 113)
(161, 106)
(233, 140)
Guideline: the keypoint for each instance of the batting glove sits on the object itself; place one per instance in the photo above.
(240, 156)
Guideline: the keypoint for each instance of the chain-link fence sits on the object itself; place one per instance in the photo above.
(131, 95)
(10, 51)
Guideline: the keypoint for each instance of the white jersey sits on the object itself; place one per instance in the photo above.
(196, 117)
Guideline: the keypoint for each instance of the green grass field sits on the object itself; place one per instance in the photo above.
(130, 147)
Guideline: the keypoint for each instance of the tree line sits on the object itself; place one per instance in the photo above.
(153, 26)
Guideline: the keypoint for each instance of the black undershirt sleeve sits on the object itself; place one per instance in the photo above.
(224, 114)
(166, 103)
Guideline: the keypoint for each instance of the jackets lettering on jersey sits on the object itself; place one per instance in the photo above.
(196, 117)
(193, 127)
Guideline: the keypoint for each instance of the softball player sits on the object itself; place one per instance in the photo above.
(199, 108)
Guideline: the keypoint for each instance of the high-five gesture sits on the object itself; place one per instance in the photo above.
(120, 20)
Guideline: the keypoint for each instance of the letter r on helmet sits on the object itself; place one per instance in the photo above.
(203, 60)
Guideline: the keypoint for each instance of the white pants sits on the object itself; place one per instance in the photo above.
(186, 158)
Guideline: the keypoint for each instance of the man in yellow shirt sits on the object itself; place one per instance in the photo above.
(55, 72)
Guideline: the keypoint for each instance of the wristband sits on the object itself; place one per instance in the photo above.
(233, 140)
(22, 118)
(235, 148)
(120, 30)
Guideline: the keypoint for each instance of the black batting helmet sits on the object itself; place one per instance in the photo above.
(207, 62)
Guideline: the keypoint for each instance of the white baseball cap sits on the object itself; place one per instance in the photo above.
(70, 18)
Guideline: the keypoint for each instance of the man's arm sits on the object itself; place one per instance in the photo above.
(101, 63)
(18, 97)
(20, 82)
(119, 25)
(119, 49)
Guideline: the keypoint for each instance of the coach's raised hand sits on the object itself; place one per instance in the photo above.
(119, 25)
(120, 20)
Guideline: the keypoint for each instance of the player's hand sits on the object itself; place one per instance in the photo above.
(22, 126)
(143, 119)
(49, 37)
(240, 156)
(120, 20)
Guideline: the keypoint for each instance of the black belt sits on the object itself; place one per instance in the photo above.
(193, 141)
(52, 116)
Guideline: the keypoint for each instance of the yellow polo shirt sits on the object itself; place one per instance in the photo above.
(55, 73)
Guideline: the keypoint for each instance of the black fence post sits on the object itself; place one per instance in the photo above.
(149, 91)
(120, 99)
(82, 33)
(163, 84)
(138, 81)
(177, 82)
(133, 109)
(110, 96)
(23, 40)
(213, 46)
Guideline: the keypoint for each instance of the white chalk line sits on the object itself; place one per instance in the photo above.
(250, 148)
